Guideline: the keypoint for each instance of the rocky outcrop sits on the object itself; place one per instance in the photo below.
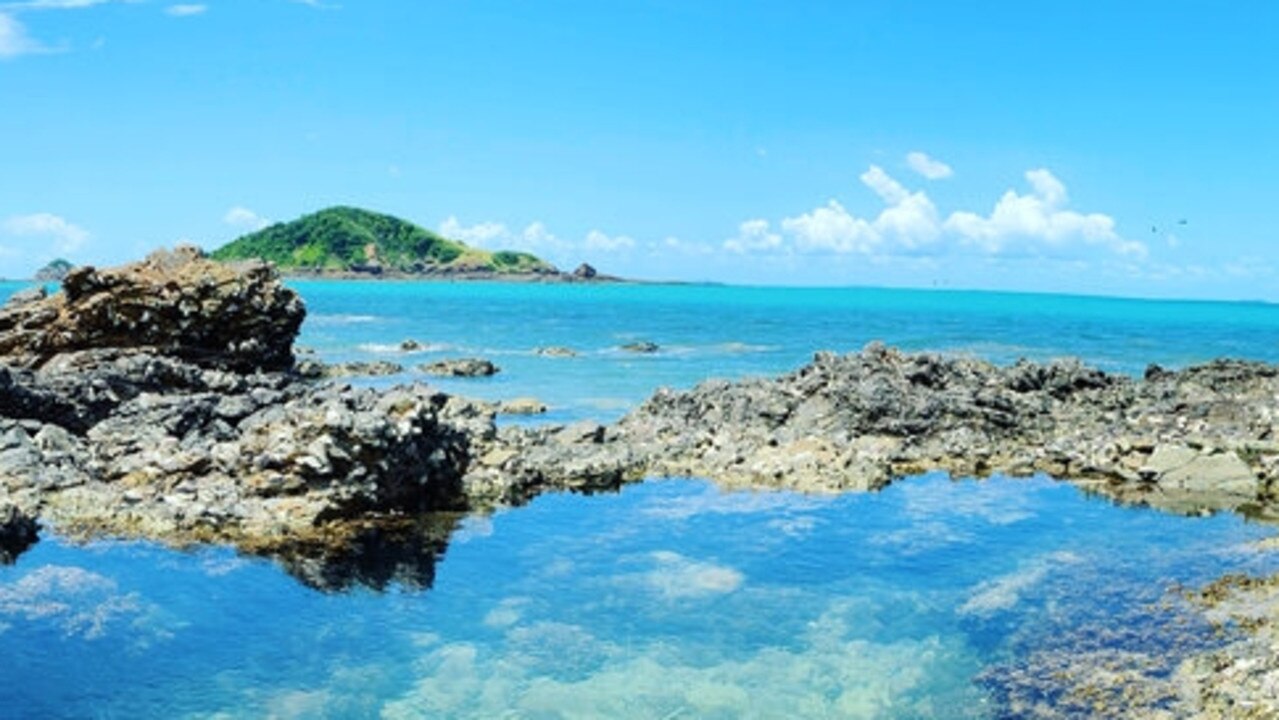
(175, 303)
(159, 400)
(1202, 437)
(461, 367)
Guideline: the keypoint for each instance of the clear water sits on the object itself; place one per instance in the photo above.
(671, 598)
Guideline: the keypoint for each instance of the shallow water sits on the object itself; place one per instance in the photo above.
(671, 598)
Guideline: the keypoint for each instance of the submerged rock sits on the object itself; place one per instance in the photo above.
(642, 347)
(461, 367)
(555, 351)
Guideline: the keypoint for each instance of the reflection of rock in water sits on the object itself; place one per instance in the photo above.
(372, 555)
(17, 533)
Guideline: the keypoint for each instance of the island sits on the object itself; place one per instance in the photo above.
(54, 271)
(354, 243)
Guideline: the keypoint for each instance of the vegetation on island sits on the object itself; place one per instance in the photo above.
(348, 239)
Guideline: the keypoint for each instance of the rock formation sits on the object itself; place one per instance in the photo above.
(173, 303)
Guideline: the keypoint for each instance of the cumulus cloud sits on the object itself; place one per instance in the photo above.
(1039, 217)
(929, 167)
(754, 236)
(1034, 223)
(244, 218)
(65, 236)
(909, 221)
(186, 10)
(479, 235)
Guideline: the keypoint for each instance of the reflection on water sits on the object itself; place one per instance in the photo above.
(672, 598)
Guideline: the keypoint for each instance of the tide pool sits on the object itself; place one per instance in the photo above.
(668, 599)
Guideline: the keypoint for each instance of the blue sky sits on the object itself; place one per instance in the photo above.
(1006, 145)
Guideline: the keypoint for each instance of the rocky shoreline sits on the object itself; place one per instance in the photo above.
(161, 400)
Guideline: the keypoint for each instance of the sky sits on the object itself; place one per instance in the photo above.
(1117, 148)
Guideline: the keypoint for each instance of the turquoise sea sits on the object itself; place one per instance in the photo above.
(670, 599)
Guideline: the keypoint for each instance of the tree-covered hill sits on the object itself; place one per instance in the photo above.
(352, 240)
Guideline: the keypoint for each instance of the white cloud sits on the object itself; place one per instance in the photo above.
(909, 221)
(479, 235)
(596, 240)
(1035, 223)
(53, 4)
(929, 167)
(14, 40)
(242, 217)
(185, 10)
(831, 228)
(66, 236)
(1039, 218)
(754, 236)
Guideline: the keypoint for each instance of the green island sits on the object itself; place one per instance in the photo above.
(353, 242)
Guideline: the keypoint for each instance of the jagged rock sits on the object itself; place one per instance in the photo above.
(411, 345)
(161, 305)
(461, 367)
(585, 272)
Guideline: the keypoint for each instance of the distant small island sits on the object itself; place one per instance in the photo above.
(54, 271)
(349, 242)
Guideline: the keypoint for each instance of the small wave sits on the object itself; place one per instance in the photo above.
(396, 349)
(343, 319)
(741, 348)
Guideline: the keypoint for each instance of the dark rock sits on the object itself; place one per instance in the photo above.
(585, 272)
(18, 532)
